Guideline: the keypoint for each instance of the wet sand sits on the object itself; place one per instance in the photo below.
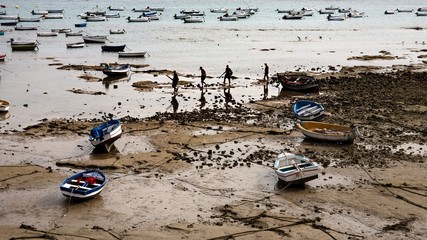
(206, 174)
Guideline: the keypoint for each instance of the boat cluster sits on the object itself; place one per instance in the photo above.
(420, 12)
(197, 16)
(332, 13)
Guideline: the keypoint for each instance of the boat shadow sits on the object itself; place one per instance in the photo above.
(107, 81)
(100, 153)
(281, 186)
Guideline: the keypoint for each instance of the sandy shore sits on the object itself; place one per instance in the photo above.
(207, 174)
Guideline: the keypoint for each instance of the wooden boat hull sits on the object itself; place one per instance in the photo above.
(76, 45)
(23, 46)
(84, 185)
(94, 39)
(308, 110)
(326, 131)
(103, 136)
(299, 82)
(294, 168)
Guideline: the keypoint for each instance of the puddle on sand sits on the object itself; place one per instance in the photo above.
(411, 149)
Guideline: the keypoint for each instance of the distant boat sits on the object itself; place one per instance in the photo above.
(132, 54)
(80, 25)
(117, 70)
(25, 28)
(61, 30)
(223, 18)
(307, 110)
(295, 168)
(422, 9)
(9, 17)
(76, 45)
(327, 131)
(47, 34)
(34, 19)
(84, 185)
(113, 48)
(421, 14)
(55, 11)
(2, 57)
(9, 23)
(23, 46)
(94, 39)
(104, 135)
(405, 10)
(54, 16)
(116, 8)
(4, 105)
(194, 20)
(112, 15)
(293, 16)
(95, 18)
(39, 12)
(389, 12)
(74, 34)
(332, 17)
(139, 19)
(117, 31)
(219, 10)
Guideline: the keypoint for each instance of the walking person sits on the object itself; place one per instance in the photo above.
(202, 76)
(175, 81)
(228, 73)
(266, 70)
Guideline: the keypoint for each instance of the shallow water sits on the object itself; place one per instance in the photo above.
(37, 90)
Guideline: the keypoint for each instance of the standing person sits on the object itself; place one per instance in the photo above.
(228, 73)
(175, 81)
(266, 70)
(202, 76)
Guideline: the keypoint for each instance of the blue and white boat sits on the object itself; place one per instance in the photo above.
(84, 185)
(104, 135)
(295, 168)
(308, 110)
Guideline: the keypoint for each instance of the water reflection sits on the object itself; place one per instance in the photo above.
(174, 103)
(202, 99)
(228, 97)
(114, 79)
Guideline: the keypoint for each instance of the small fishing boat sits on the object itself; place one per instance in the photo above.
(219, 10)
(95, 18)
(194, 20)
(325, 11)
(76, 45)
(356, 14)
(404, 10)
(84, 185)
(13, 23)
(117, 31)
(23, 46)
(74, 34)
(39, 12)
(25, 28)
(158, 9)
(223, 18)
(112, 15)
(116, 8)
(293, 16)
(295, 168)
(61, 30)
(9, 17)
(298, 82)
(55, 11)
(308, 110)
(47, 34)
(333, 17)
(116, 70)
(134, 54)
(138, 19)
(34, 19)
(94, 39)
(113, 47)
(389, 12)
(422, 9)
(327, 131)
(54, 16)
(181, 16)
(80, 25)
(104, 135)
(4, 105)
(421, 14)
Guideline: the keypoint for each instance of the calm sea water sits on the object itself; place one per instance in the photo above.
(37, 90)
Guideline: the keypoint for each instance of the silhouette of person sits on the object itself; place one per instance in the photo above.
(202, 76)
(266, 70)
(175, 81)
(228, 73)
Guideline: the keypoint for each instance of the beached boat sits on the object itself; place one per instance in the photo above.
(327, 131)
(116, 70)
(332, 17)
(132, 54)
(94, 39)
(194, 20)
(80, 25)
(138, 19)
(34, 19)
(84, 185)
(4, 105)
(117, 31)
(23, 46)
(298, 82)
(47, 34)
(295, 168)
(76, 45)
(113, 47)
(74, 34)
(25, 28)
(308, 110)
(104, 135)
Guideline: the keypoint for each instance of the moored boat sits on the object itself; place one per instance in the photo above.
(55, 11)
(13, 23)
(84, 185)
(132, 54)
(54, 16)
(327, 131)
(338, 17)
(104, 135)
(23, 46)
(194, 20)
(223, 18)
(34, 19)
(117, 31)
(113, 47)
(95, 18)
(295, 168)
(47, 34)
(308, 110)
(421, 14)
(76, 45)
(94, 39)
(74, 34)
(39, 12)
(116, 8)
(4, 105)
(9, 17)
(25, 28)
(138, 19)
(80, 24)
(116, 70)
